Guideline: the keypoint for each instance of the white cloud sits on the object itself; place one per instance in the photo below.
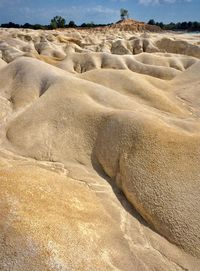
(4, 3)
(154, 2)
(100, 9)
(79, 14)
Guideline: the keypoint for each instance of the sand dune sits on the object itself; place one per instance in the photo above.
(99, 150)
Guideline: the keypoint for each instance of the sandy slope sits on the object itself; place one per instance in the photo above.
(99, 150)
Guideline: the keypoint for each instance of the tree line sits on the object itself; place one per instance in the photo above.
(183, 26)
(60, 22)
(56, 22)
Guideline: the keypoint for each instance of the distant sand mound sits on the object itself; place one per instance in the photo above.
(133, 25)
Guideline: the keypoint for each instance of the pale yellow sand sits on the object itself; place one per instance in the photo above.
(99, 150)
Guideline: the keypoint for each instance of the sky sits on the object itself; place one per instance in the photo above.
(105, 11)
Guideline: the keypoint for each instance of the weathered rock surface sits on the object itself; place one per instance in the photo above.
(99, 151)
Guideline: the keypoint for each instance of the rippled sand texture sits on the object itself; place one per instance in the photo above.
(99, 150)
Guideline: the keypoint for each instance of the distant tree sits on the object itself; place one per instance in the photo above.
(38, 26)
(10, 25)
(91, 24)
(27, 25)
(196, 26)
(72, 24)
(184, 25)
(57, 22)
(53, 24)
(124, 14)
(151, 22)
(178, 26)
(170, 26)
(161, 24)
(189, 24)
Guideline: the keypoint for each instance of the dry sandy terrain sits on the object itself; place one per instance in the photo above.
(99, 150)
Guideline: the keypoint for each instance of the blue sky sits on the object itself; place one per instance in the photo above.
(106, 11)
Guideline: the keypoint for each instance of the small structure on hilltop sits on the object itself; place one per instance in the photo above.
(124, 14)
